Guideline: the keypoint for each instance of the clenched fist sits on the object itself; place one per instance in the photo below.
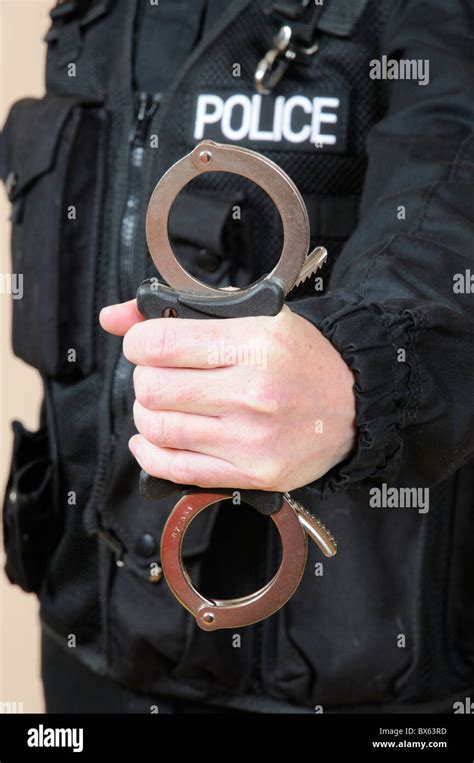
(259, 403)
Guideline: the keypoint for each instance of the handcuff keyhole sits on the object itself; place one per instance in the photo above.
(170, 312)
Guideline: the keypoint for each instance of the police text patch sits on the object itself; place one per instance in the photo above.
(299, 122)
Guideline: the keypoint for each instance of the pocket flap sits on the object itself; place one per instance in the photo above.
(30, 139)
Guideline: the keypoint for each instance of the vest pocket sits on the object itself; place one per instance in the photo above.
(52, 163)
(352, 633)
(31, 526)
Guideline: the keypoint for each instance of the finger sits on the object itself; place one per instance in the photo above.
(185, 467)
(196, 343)
(208, 392)
(118, 319)
(186, 431)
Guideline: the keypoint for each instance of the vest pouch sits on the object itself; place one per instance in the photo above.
(52, 162)
(31, 527)
(148, 629)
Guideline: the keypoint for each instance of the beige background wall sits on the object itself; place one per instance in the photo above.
(22, 26)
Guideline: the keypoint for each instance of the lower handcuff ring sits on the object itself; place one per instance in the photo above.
(294, 525)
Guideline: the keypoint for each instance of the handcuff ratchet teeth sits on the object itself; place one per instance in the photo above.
(185, 296)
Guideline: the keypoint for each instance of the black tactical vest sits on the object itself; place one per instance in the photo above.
(77, 530)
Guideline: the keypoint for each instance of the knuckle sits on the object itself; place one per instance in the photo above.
(264, 395)
(136, 415)
(139, 384)
(154, 466)
(146, 389)
(161, 340)
(130, 341)
(159, 430)
(265, 476)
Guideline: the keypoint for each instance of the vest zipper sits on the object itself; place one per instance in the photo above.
(121, 376)
(147, 106)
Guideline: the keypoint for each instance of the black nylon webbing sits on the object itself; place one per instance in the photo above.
(301, 15)
(337, 17)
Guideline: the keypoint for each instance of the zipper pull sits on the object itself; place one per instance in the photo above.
(136, 133)
(147, 106)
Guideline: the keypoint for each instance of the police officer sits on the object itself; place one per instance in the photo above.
(365, 392)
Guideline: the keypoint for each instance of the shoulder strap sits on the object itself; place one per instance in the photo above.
(297, 22)
(337, 17)
(301, 15)
(69, 17)
(87, 10)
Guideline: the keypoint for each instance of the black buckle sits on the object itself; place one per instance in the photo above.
(289, 10)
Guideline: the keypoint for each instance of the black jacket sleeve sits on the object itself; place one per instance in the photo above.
(400, 306)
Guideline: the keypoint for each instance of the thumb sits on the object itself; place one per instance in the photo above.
(117, 319)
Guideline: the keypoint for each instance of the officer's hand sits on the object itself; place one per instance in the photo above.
(261, 403)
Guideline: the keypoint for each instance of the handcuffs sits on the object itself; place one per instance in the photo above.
(186, 297)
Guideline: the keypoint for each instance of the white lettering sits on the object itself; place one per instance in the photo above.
(241, 117)
(255, 132)
(322, 117)
(292, 103)
(230, 132)
(203, 117)
(278, 118)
